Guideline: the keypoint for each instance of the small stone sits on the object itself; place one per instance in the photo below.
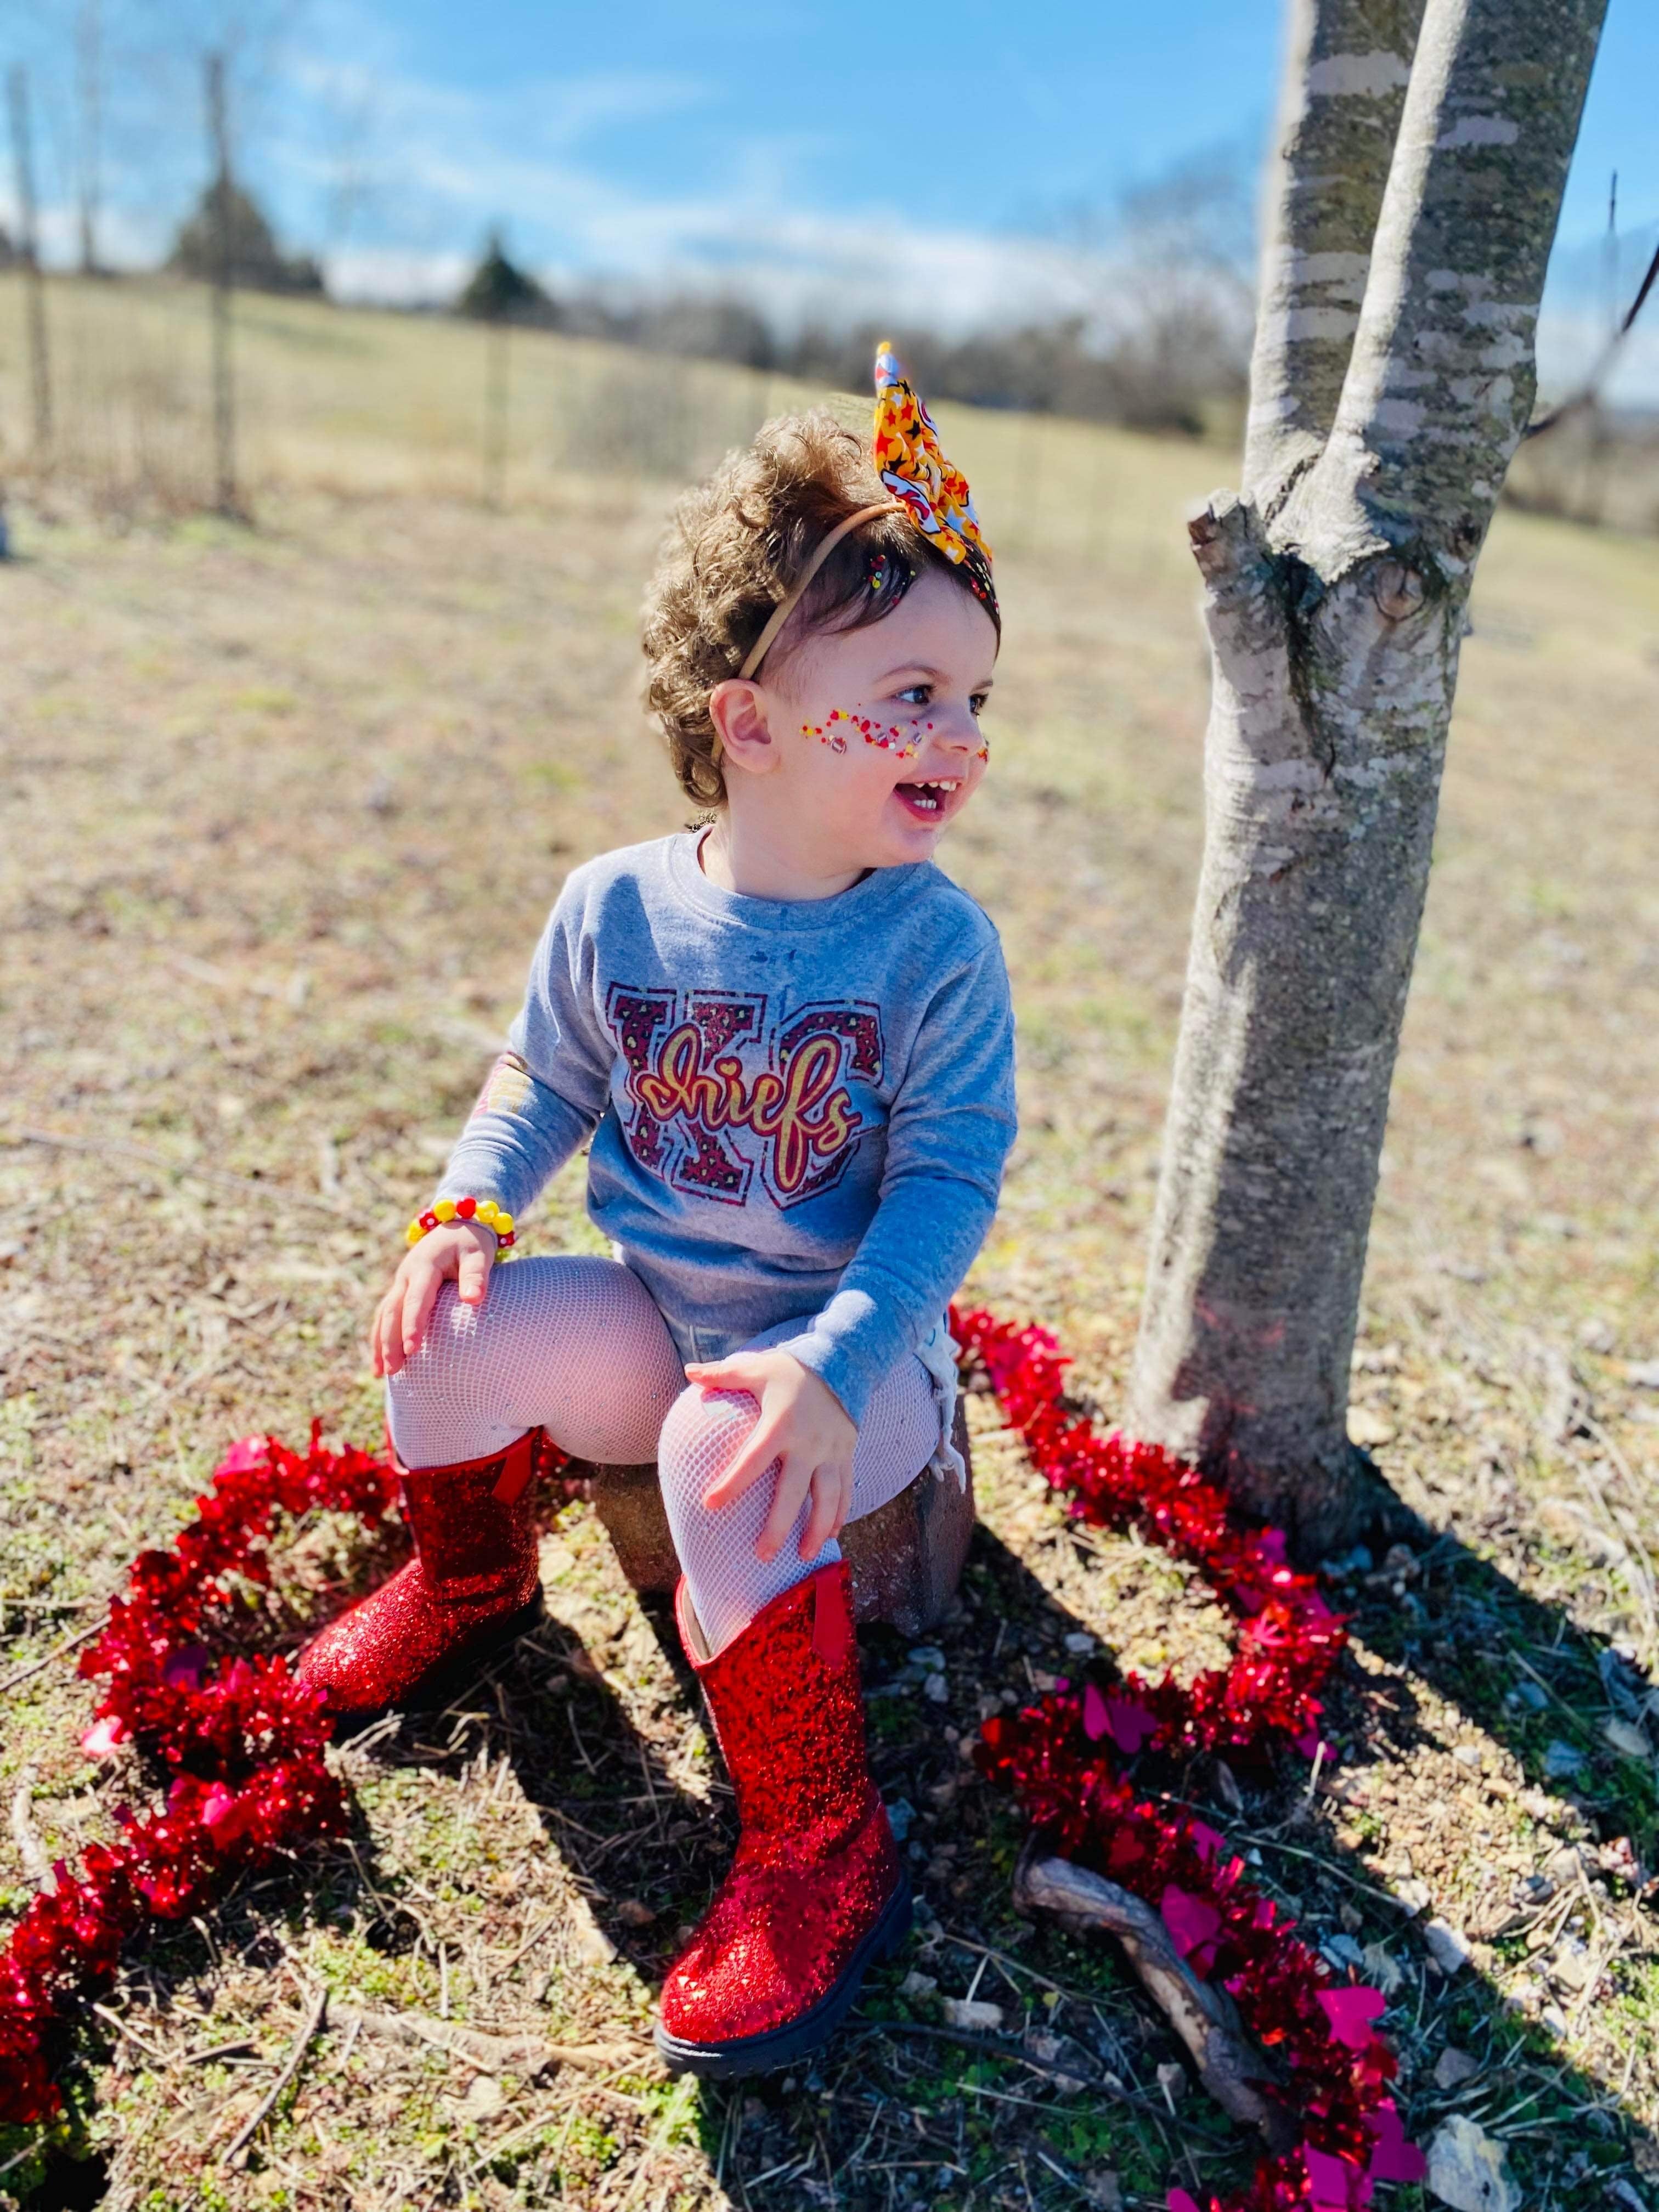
(1454, 2067)
(1105, 2190)
(1383, 1969)
(1528, 1697)
(1414, 1893)
(1466, 2169)
(1448, 1945)
(1467, 1755)
(977, 2013)
(917, 1984)
(1644, 1373)
(900, 1815)
(1080, 1643)
(1571, 1963)
(1367, 1427)
(1172, 2080)
(1627, 1738)
(1560, 1760)
(927, 1657)
(1554, 2018)
(1342, 1952)
(634, 1913)
(484, 2098)
(937, 1690)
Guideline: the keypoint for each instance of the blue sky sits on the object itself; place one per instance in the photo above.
(930, 159)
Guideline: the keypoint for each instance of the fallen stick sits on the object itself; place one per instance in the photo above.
(1204, 2017)
(491, 2054)
(290, 2067)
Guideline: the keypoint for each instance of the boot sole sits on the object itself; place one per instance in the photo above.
(434, 1692)
(782, 2046)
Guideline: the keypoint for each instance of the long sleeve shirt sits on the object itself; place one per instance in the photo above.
(798, 1110)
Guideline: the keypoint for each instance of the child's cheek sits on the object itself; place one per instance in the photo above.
(902, 739)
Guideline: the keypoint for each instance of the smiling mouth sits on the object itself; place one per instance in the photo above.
(928, 802)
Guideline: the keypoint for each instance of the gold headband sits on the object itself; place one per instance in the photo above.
(786, 606)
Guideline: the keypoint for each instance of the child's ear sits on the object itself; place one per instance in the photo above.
(738, 710)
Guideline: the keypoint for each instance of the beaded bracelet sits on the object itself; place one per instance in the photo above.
(463, 1209)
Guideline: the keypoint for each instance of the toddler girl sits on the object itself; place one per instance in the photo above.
(787, 1036)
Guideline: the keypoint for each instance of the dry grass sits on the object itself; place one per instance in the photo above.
(284, 809)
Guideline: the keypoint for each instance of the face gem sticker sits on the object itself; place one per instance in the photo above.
(902, 739)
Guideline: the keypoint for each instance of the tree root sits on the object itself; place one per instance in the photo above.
(1203, 2016)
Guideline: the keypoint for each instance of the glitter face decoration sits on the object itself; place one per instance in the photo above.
(933, 490)
(902, 739)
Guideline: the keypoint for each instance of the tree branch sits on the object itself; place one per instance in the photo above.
(1343, 90)
(1441, 380)
(1204, 2017)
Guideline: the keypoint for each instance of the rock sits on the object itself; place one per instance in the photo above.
(1448, 1945)
(976, 2014)
(1342, 1952)
(1172, 2080)
(1080, 1643)
(1627, 1738)
(1368, 1427)
(1644, 1373)
(927, 1657)
(1467, 2170)
(1384, 1969)
(1561, 1760)
(900, 1815)
(1528, 1697)
(634, 1913)
(1570, 1963)
(937, 1690)
(1454, 2067)
(1105, 2190)
(917, 1984)
(1412, 1892)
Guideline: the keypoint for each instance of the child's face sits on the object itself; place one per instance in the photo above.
(877, 730)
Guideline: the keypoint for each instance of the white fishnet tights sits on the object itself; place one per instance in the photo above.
(576, 1346)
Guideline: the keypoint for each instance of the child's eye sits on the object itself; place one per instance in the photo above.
(976, 703)
(917, 695)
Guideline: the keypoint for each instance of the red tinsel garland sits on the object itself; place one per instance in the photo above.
(1057, 1755)
(244, 1742)
(245, 1745)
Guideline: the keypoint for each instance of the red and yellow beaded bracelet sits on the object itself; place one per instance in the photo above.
(483, 1210)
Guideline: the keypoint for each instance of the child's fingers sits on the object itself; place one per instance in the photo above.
(787, 1501)
(747, 1468)
(472, 1284)
(828, 1511)
(736, 1373)
(420, 1296)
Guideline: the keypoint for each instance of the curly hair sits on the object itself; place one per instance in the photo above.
(733, 550)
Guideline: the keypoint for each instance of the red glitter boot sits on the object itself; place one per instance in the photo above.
(816, 1893)
(472, 1585)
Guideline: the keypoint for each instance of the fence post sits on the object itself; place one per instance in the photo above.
(224, 389)
(29, 250)
(497, 341)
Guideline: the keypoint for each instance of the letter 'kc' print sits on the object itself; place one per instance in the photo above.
(693, 1098)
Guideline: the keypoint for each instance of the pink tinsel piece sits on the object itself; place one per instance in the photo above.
(1351, 2013)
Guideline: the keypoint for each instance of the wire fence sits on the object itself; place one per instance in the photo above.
(359, 403)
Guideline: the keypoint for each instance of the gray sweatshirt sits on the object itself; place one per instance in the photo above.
(799, 1109)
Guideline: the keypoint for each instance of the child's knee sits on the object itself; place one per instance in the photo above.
(701, 1438)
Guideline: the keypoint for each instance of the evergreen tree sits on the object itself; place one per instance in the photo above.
(498, 291)
(257, 261)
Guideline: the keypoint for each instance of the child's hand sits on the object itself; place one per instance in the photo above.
(803, 1423)
(458, 1252)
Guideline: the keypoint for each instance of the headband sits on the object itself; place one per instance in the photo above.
(931, 490)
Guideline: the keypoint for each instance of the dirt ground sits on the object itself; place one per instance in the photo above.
(283, 809)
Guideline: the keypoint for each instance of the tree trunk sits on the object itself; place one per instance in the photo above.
(28, 247)
(1414, 200)
(224, 381)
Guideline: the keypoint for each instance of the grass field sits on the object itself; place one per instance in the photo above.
(284, 807)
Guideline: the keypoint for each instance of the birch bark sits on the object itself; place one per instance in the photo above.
(1412, 200)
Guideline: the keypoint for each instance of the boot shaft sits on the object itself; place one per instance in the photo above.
(473, 1522)
(785, 1700)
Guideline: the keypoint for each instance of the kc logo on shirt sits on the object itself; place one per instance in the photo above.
(705, 1074)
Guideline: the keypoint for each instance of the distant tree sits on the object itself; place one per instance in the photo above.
(498, 291)
(8, 251)
(257, 263)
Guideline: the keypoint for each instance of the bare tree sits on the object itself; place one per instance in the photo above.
(1413, 197)
(28, 251)
(89, 90)
(224, 387)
